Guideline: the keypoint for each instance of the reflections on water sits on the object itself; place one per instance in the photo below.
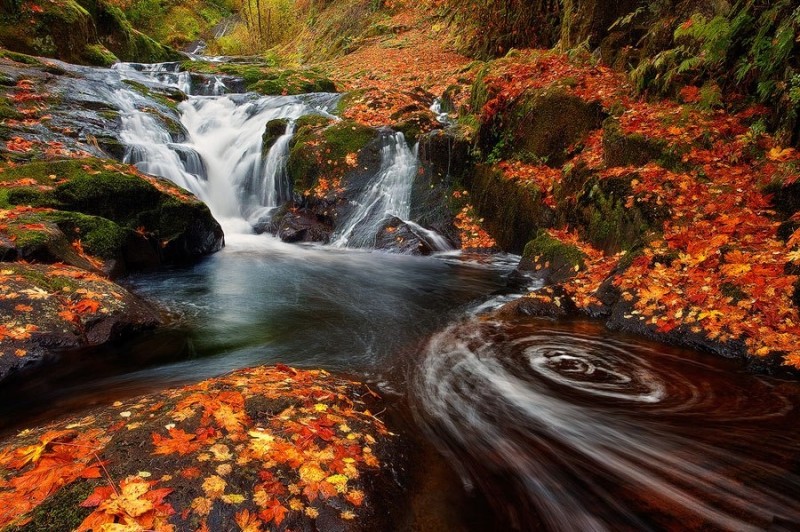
(260, 301)
(568, 429)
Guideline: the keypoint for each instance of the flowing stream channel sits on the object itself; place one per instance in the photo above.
(542, 425)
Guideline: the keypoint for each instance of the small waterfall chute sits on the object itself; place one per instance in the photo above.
(387, 198)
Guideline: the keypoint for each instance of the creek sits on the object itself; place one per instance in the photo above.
(543, 425)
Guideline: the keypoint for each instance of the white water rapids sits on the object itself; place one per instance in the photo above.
(220, 157)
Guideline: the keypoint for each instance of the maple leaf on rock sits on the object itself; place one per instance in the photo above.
(178, 442)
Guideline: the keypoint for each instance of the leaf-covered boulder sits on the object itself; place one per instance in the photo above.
(45, 308)
(109, 210)
(265, 448)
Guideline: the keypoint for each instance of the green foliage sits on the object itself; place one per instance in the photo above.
(753, 46)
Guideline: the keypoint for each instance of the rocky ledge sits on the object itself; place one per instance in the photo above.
(271, 446)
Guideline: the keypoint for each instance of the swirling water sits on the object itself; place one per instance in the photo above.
(572, 428)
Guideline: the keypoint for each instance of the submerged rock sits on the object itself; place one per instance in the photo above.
(303, 225)
(270, 446)
(47, 308)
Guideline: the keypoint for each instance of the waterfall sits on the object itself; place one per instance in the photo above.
(387, 196)
(216, 152)
(221, 159)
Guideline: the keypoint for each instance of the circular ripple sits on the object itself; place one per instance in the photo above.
(593, 367)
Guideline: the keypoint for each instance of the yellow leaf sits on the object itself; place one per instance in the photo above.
(214, 486)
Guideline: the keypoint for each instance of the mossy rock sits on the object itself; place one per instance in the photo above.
(317, 148)
(543, 125)
(552, 260)
(116, 33)
(513, 211)
(79, 31)
(635, 149)
(37, 237)
(274, 130)
(46, 308)
(291, 82)
(261, 446)
(264, 78)
(99, 55)
(59, 30)
(413, 125)
(179, 227)
(605, 220)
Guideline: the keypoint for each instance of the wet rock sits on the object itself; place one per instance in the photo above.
(443, 160)
(320, 149)
(304, 225)
(397, 236)
(45, 308)
(273, 131)
(268, 446)
(549, 302)
(116, 211)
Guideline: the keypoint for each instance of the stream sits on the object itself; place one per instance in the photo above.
(542, 425)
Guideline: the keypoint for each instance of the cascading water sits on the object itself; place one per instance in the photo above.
(221, 159)
(388, 195)
(218, 155)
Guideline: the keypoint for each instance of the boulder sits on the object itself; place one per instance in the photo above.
(302, 225)
(267, 447)
(113, 211)
(45, 309)
(544, 125)
(552, 261)
(396, 236)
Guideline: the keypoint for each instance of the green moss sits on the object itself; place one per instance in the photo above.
(27, 238)
(513, 212)
(20, 58)
(345, 137)
(335, 141)
(606, 222)
(480, 93)
(264, 78)
(545, 248)
(62, 511)
(292, 82)
(8, 110)
(100, 237)
(99, 55)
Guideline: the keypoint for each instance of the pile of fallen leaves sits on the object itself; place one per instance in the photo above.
(414, 58)
(263, 448)
(716, 267)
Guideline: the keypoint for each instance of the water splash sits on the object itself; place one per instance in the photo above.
(584, 432)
